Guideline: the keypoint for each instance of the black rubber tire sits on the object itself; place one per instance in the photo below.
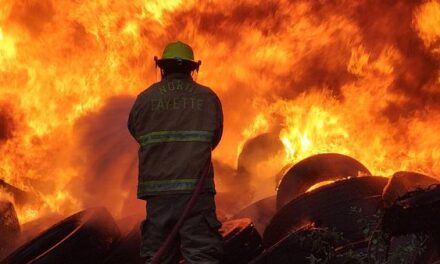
(329, 207)
(242, 243)
(260, 212)
(32, 229)
(9, 228)
(315, 169)
(127, 249)
(418, 211)
(403, 182)
(85, 237)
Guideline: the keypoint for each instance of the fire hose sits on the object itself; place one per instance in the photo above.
(186, 211)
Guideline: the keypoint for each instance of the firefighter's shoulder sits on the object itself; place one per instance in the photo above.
(148, 91)
(206, 90)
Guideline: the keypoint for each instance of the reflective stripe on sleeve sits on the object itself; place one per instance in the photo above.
(157, 186)
(176, 136)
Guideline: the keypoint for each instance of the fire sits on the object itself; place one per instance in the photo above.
(354, 78)
(428, 19)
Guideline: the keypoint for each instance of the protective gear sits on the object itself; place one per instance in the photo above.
(199, 238)
(179, 51)
(176, 122)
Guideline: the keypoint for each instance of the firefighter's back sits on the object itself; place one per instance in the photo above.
(176, 122)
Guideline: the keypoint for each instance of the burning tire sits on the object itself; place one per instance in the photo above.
(340, 205)
(315, 169)
(261, 212)
(9, 227)
(242, 242)
(85, 237)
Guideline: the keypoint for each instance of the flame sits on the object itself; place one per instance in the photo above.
(355, 78)
(427, 24)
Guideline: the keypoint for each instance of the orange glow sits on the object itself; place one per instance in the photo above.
(318, 185)
(319, 77)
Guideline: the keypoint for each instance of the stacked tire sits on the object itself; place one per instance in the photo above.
(127, 248)
(85, 237)
(242, 243)
(315, 169)
(340, 206)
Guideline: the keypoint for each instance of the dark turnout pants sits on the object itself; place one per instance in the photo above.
(198, 239)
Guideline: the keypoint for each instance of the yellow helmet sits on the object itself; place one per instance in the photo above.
(178, 51)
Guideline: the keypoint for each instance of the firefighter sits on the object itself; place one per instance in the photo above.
(177, 123)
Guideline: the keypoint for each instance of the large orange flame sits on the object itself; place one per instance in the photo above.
(352, 77)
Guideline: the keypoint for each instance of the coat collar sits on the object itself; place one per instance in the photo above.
(177, 76)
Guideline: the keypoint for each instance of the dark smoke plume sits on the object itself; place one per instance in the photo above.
(6, 124)
(108, 158)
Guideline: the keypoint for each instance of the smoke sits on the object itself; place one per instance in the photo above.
(238, 186)
(6, 124)
(107, 156)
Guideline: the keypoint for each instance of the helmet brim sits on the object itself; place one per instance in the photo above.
(164, 63)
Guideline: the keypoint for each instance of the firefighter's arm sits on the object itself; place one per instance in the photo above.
(219, 123)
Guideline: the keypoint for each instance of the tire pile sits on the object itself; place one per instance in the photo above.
(342, 222)
(92, 236)
(346, 221)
